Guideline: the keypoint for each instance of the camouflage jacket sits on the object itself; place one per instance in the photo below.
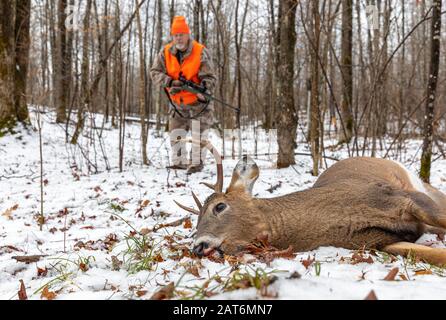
(159, 74)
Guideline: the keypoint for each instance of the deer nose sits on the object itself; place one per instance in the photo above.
(200, 248)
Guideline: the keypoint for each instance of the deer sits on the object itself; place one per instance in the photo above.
(357, 203)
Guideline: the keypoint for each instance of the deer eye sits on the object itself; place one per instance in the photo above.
(219, 207)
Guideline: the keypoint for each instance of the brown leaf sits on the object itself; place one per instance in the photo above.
(28, 259)
(22, 291)
(359, 258)
(371, 296)
(422, 272)
(88, 227)
(391, 275)
(403, 277)
(164, 293)
(8, 213)
(49, 295)
(194, 270)
(158, 258)
(265, 252)
(140, 293)
(308, 262)
(42, 272)
(83, 267)
(187, 224)
(144, 231)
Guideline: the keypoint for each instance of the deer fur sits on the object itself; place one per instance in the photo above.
(357, 203)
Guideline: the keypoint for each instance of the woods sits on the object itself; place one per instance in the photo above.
(322, 129)
(345, 69)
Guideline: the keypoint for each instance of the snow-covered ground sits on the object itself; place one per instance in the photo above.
(104, 235)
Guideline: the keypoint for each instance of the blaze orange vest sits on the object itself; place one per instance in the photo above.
(190, 68)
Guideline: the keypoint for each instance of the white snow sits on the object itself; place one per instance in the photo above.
(104, 208)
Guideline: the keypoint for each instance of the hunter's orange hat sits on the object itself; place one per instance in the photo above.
(179, 25)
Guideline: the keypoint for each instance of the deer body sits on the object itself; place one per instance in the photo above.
(356, 203)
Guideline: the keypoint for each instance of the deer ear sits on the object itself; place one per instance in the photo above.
(244, 176)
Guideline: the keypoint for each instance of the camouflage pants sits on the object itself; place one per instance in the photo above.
(180, 127)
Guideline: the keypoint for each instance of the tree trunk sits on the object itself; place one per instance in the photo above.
(7, 113)
(85, 67)
(286, 115)
(22, 21)
(431, 91)
(315, 112)
(347, 71)
(60, 63)
(142, 84)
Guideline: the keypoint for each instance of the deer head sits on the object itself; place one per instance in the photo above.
(228, 220)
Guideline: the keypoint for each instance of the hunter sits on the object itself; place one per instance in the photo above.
(190, 59)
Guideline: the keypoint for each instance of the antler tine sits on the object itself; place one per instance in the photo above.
(197, 201)
(212, 186)
(206, 144)
(187, 208)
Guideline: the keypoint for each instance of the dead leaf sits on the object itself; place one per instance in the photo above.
(403, 277)
(158, 258)
(308, 262)
(83, 267)
(140, 293)
(88, 227)
(187, 224)
(42, 272)
(391, 275)
(194, 270)
(49, 295)
(422, 272)
(164, 293)
(8, 213)
(359, 258)
(116, 263)
(265, 252)
(28, 259)
(22, 291)
(371, 296)
(144, 231)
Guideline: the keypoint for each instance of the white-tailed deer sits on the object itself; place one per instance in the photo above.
(357, 203)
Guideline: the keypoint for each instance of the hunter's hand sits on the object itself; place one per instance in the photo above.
(177, 83)
(201, 98)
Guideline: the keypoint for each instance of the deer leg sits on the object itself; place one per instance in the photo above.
(430, 255)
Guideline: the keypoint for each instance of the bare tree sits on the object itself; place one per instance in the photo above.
(286, 115)
(431, 91)
(347, 70)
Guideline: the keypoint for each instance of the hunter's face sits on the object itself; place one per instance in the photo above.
(180, 40)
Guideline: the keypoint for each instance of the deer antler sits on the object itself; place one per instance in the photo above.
(187, 208)
(197, 201)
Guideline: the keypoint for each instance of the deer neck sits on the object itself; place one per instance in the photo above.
(288, 217)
